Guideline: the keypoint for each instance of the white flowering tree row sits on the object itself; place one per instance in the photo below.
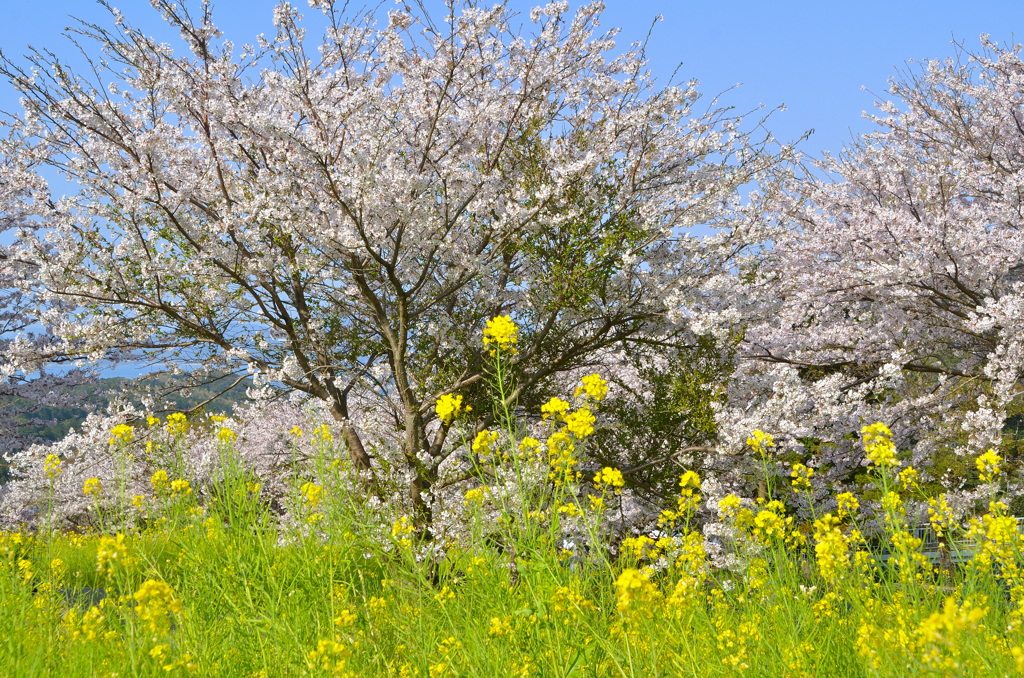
(341, 216)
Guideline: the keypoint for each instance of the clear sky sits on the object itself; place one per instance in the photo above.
(814, 57)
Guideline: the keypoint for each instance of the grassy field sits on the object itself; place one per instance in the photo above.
(219, 582)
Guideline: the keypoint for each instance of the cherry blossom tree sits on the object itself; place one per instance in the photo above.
(342, 218)
(893, 290)
(37, 370)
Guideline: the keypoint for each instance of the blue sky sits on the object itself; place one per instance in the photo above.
(814, 57)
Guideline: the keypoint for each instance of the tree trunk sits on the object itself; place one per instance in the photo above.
(356, 451)
(415, 444)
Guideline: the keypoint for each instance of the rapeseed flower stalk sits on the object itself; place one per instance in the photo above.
(345, 617)
(937, 634)
(729, 506)
(110, 552)
(691, 567)
(323, 434)
(180, 487)
(568, 602)
(402, 529)
(570, 509)
(528, 448)
(561, 462)
(689, 494)
(89, 628)
(483, 443)
(831, 549)
(941, 516)
(25, 572)
(639, 547)
(58, 569)
(770, 525)
(634, 590)
(500, 627)
(331, 657)
(908, 478)
(312, 494)
(848, 505)
(501, 334)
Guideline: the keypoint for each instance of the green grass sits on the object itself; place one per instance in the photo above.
(259, 600)
(224, 587)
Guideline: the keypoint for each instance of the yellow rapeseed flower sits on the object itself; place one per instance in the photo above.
(728, 506)
(92, 487)
(580, 423)
(988, 465)
(402, 529)
(528, 447)
(848, 504)
(160, 481)
(501, 334)
(878, 445)
(312, 494)
(110, 551)
(475, 496)
(909, 478)
(633, 587)
(594, 387)
(689, 497)
(180, 487)
(801, 477)
(760, 441)
(177, 423)
(121, 433)
(448, 407)
(323, 433)
(610, 477)
(483, 442)
(555, 408)
(52, 466)
(154, 603)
